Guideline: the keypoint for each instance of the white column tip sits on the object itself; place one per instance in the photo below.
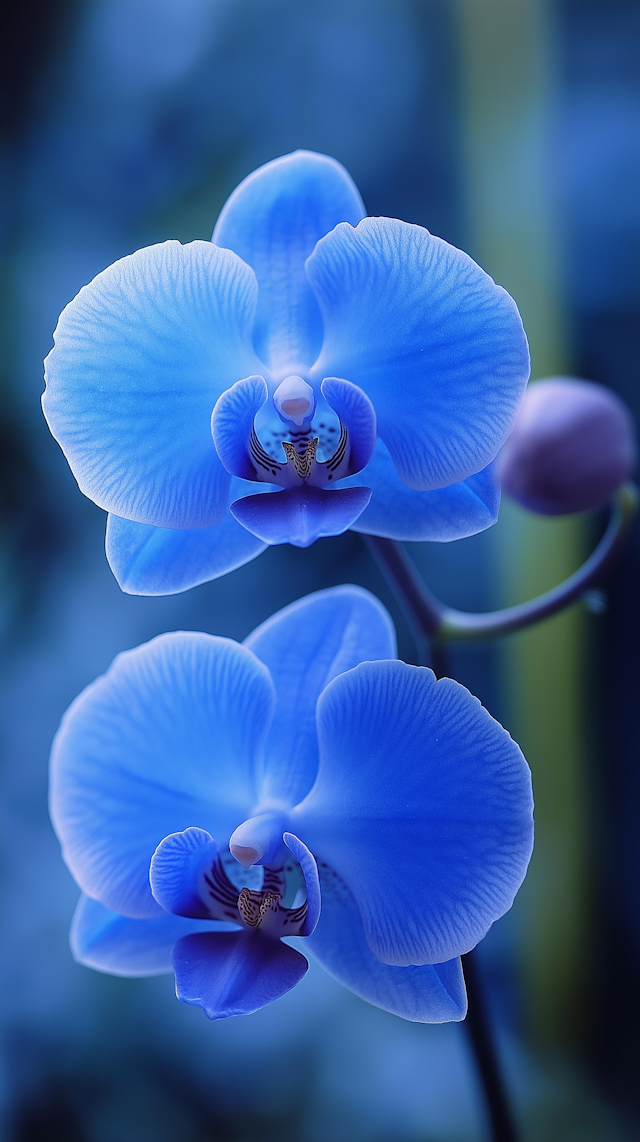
(244, 855)
(294, 400)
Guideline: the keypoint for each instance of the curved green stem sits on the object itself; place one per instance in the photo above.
(437, 622)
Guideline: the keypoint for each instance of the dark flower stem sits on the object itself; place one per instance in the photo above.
(434, 625)
(478, 1028)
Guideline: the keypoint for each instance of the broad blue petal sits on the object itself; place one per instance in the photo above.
(149, 560)
(436, 345)
(309, 867)
(168, 738)
(234, 973)
(422, 805)
(434, 993)
(399, 512)
(301, 515)
(304, 646)
(105, 940)
(273, 220)
(140, 357)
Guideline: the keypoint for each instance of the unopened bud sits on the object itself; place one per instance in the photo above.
(572, 447)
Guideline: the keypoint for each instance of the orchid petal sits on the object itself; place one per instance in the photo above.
(433, 342)
(272, 221)
(422, 805)
(106, 941)
(307, 863)
(232, 424)
(304, 646)
(140, 357)
(300, 515)
(149, 560)
(176, 869)
(356, 412)
(434, 993)
(399, 512)
(234, 973)
(168, 738)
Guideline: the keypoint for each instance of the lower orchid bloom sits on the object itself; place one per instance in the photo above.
(308, 370)
(213, 798)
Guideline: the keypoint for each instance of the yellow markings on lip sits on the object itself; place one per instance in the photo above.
(254, 906)
(263, 910)
(303, 463)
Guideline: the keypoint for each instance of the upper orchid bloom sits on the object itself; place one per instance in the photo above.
(380, 813)
(359, 371)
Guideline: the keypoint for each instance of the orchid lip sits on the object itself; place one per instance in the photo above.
(301, 465)
(254, 908)
(256, 442)
(191, 876)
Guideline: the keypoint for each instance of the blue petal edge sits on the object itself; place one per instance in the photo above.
(232, 423)
(435, 344)
(175, 870)
(309, 868)
(106, 941)
(234, 973)
(273, 220)
(422, 805)
(171, 736)
(434, 993)
(301, 515)
(140, 357)
(152, 561)
(356, 412)
(304, 646)
(398, 512)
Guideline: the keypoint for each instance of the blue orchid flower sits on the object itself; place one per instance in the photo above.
(308, 370)
(213, 799)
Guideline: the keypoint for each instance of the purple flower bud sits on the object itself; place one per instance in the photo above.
(572, 447)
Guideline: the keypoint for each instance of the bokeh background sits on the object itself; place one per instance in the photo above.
(510, 128)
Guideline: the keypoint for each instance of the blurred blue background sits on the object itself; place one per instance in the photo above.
(508, 127)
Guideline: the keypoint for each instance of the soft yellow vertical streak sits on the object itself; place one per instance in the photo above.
(507, 72)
